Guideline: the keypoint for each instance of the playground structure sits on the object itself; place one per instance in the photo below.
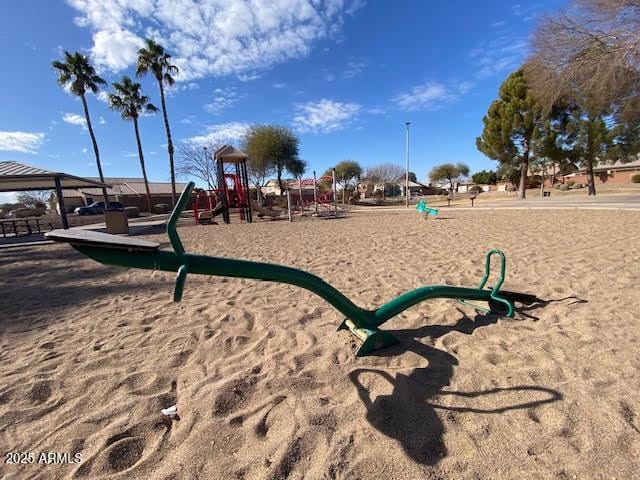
(363, 323)
(323, 203)
(232, 191)
(206, 206)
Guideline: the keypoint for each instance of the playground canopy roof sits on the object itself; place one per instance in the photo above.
(16, 177)
(230, 154)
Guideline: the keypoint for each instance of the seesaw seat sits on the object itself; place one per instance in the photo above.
(97, 239)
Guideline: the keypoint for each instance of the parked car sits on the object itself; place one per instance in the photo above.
(26, 212)
(97, 208)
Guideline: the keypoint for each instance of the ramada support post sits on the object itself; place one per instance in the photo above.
(63, 211)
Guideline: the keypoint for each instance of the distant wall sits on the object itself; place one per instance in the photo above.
(604, 178)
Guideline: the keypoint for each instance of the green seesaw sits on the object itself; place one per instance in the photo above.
(364, 324)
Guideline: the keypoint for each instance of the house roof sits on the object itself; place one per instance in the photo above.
(412, 184)
(601, 166)
(135, 188)
(16, 176)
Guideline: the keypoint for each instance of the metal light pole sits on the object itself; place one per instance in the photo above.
(315, 192)
(406, 182)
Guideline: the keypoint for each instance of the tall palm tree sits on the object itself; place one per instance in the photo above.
(79, 74)
(130, 102)
(153, 58)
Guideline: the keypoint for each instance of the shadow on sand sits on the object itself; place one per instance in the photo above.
(63, 279)
(407, 414)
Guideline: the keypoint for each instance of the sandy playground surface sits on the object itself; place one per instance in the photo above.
(266, 389)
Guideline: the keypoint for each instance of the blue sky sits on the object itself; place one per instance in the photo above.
(345, 75)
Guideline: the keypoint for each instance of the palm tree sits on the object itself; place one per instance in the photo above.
(153, 58)
(79, 74)
(130, 102)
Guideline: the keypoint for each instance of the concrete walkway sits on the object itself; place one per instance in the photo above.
(603, 202)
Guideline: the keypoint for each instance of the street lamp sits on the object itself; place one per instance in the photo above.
(406, 180)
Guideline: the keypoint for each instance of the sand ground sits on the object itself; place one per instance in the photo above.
(266, 389)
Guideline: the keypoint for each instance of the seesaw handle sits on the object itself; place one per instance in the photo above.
(172, 232)
(182, 277)
(487, 270)
(176, 243)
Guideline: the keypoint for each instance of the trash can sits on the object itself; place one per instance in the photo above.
(116, 221)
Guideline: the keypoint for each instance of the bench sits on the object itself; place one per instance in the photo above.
(28, 224)
(90, 238)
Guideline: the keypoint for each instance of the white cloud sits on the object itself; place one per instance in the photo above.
(464, 87)
(527, 12)
(102, 121)
(115, 49)
(181, 87)
(211, 37)
(103, 96)
(353, 69)
(249, 77)
(501, 54)
(324, 116)
(279, 85)
(74, 119)
(23, 142)
(221, 133)
(224, 98)
(428, 96)
(376, 111)
(330, 77)
(84, 150)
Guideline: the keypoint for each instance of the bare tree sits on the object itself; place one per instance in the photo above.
(385, 174)
(585, 72)
(196, 160)
(592, 51)
(35, 198)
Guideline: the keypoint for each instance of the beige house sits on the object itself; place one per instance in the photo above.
(617, 173)
(130, 192)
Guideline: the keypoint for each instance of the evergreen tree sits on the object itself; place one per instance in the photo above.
(450, 173)
(347, 171)
(272, 145)
(510, 127)
(485, 177)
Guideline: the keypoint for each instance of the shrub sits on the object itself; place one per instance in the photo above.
(577, 185)
(636, 178)
(132, 212)
(161, 208)
(476, 189)
(564, 187)
(557, 185)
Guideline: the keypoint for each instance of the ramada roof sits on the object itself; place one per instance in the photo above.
(131, 186)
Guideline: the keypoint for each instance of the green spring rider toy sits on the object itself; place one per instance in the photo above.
(364, 324)
(422, 207)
